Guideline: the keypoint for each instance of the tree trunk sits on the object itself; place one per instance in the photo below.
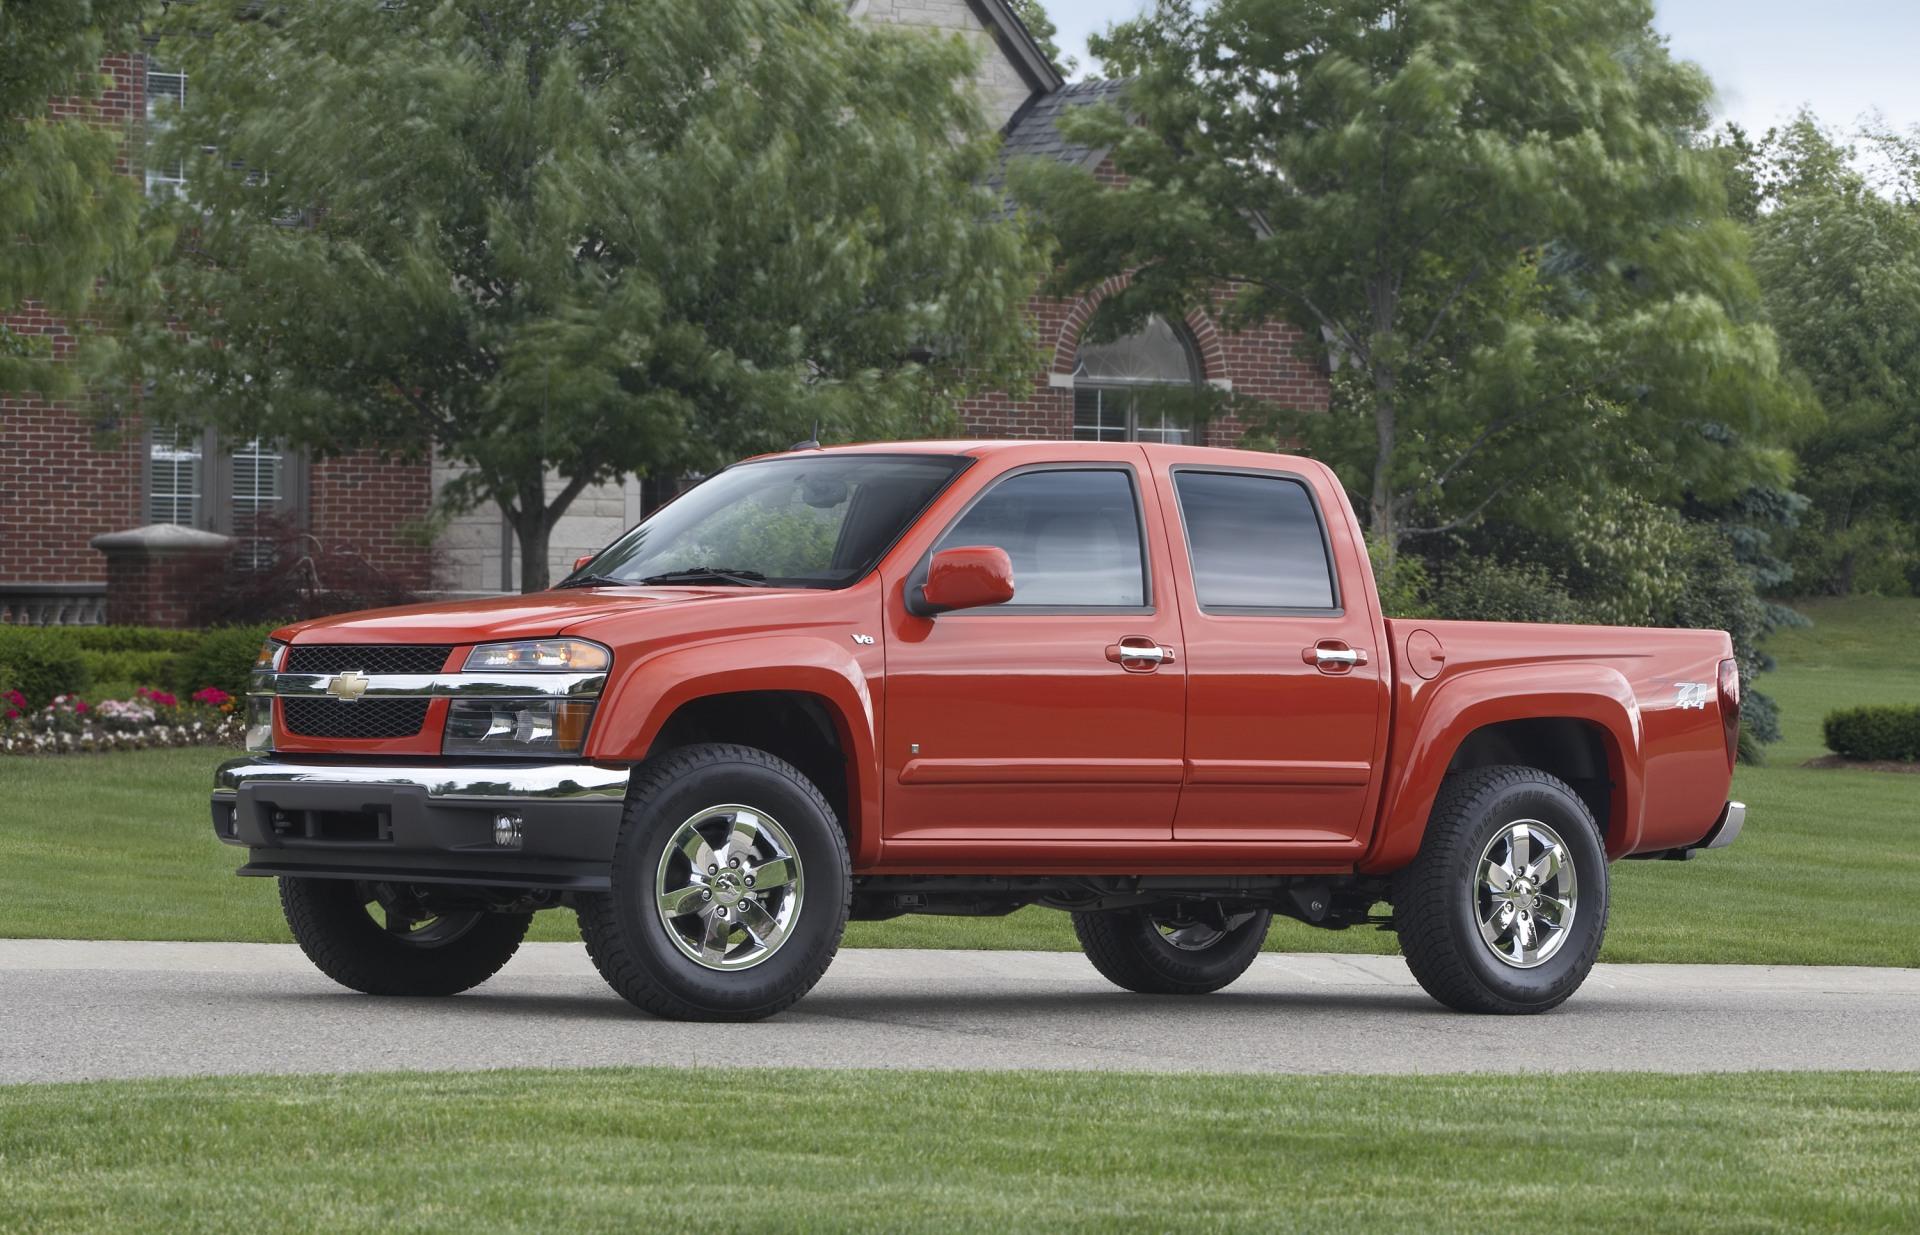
(1380, 513)
(533, 528)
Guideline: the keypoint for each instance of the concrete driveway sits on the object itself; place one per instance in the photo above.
(73, 1011)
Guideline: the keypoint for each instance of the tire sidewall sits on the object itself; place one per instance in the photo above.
(1568, 967)
(652, 820)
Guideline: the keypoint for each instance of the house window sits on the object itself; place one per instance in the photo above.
(197, 480)
(1128, 390)
(166, 94)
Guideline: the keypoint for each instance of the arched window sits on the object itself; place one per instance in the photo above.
(1115, 386)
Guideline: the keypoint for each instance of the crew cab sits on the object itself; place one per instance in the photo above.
(1148, 685)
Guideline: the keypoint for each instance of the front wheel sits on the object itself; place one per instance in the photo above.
(1505, 905)
(412, 950)
(1172, 949)
(731, 886)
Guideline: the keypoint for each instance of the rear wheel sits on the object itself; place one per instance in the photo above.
(1505, 906)
(731, 887)
(382, 939)
(1172, 949)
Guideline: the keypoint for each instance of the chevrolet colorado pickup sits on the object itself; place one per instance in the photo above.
(1149, 685)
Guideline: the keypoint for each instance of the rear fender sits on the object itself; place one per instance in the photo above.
(1430, 727)
(640, 702)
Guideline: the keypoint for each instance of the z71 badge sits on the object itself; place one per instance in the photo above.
(1690, 695)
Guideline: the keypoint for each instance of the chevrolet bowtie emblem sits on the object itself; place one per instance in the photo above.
(348, 686)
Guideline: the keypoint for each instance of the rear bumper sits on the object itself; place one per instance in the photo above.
(1725, 830)
(510, 825)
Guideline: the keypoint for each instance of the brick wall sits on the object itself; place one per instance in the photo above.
(1263, 363)
(376, 507)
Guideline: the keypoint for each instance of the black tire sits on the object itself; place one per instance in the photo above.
(624, 931)
(1128, 948)
(1436, 899)
(457, 952)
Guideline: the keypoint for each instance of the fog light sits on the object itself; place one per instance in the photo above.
(506, 831)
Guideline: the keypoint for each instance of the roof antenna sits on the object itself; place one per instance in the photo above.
(812, 443)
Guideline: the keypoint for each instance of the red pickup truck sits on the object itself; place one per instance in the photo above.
(1149, 685)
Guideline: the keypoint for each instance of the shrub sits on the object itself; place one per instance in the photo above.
(40, 663)
(129, 638)
(1880, 731)
(1484, 590)
(223, 657)
(142, 668)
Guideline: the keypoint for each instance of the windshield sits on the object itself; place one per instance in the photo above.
(806, 521)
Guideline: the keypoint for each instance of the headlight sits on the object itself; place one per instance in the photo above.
(516, 727)
(268, 660)
(539, 656)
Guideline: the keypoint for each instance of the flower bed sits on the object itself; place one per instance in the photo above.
(71, 725)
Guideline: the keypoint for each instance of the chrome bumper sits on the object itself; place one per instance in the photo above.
(1727, 830)
(474, 780)
(520, 825)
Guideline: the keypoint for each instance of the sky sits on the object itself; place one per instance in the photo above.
(1843, 58)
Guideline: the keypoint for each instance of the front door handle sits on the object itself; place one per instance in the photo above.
(1139, 653)
(1333, 656)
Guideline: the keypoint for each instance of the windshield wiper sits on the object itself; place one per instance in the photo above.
(715, 574)
(595, 581)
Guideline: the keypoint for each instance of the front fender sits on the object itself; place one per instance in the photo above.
(645, 695)
(1431, 724)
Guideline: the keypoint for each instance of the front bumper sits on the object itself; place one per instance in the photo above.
(508, 825)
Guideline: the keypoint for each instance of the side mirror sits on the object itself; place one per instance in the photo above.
(963, 578)
(583, 559)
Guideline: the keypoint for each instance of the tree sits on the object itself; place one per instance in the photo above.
(559, 237)
(1033, 15)
(1839, 262)
(1490, 220)
(64, 215)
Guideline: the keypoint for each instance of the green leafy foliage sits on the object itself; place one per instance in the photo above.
(65, 216)
(1489, 220)
(223, 657)
(1875, 732)
(1839, 261)
(560, 237)
(40, 664)
(151, 669)
(1033, 15)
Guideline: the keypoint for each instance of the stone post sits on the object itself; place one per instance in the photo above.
(161, 574)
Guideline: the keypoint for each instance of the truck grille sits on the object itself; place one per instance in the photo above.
(363, 718)
(366, 658)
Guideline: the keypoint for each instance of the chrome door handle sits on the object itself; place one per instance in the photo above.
(1139, 651)
(1338, 656)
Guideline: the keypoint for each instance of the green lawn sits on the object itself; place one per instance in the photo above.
(729, 1150)
(118, 846)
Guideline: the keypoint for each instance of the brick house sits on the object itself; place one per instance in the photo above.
(67, 476)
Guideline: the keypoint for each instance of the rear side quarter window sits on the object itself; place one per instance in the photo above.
(1257, 543)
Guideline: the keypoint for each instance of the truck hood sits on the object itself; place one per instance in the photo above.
(534, 616)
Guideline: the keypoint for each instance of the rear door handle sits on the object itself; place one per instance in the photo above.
(1139, 653)
(1333, 656)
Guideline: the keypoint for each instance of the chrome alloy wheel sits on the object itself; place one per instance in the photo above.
(1525, 893)
(728, 888)
(1191, 936)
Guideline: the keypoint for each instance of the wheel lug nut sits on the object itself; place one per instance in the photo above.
(706, 894)
(712, 869)
(733, 862)
(749, 880)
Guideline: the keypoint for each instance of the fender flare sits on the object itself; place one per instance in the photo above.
(1476, 698)
(647, 693)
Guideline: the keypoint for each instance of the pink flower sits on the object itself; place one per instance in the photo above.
(212, 696)
(158, 698)
(17, 699)
(79, 705)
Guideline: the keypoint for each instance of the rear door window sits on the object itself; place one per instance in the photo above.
(1256, 542)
